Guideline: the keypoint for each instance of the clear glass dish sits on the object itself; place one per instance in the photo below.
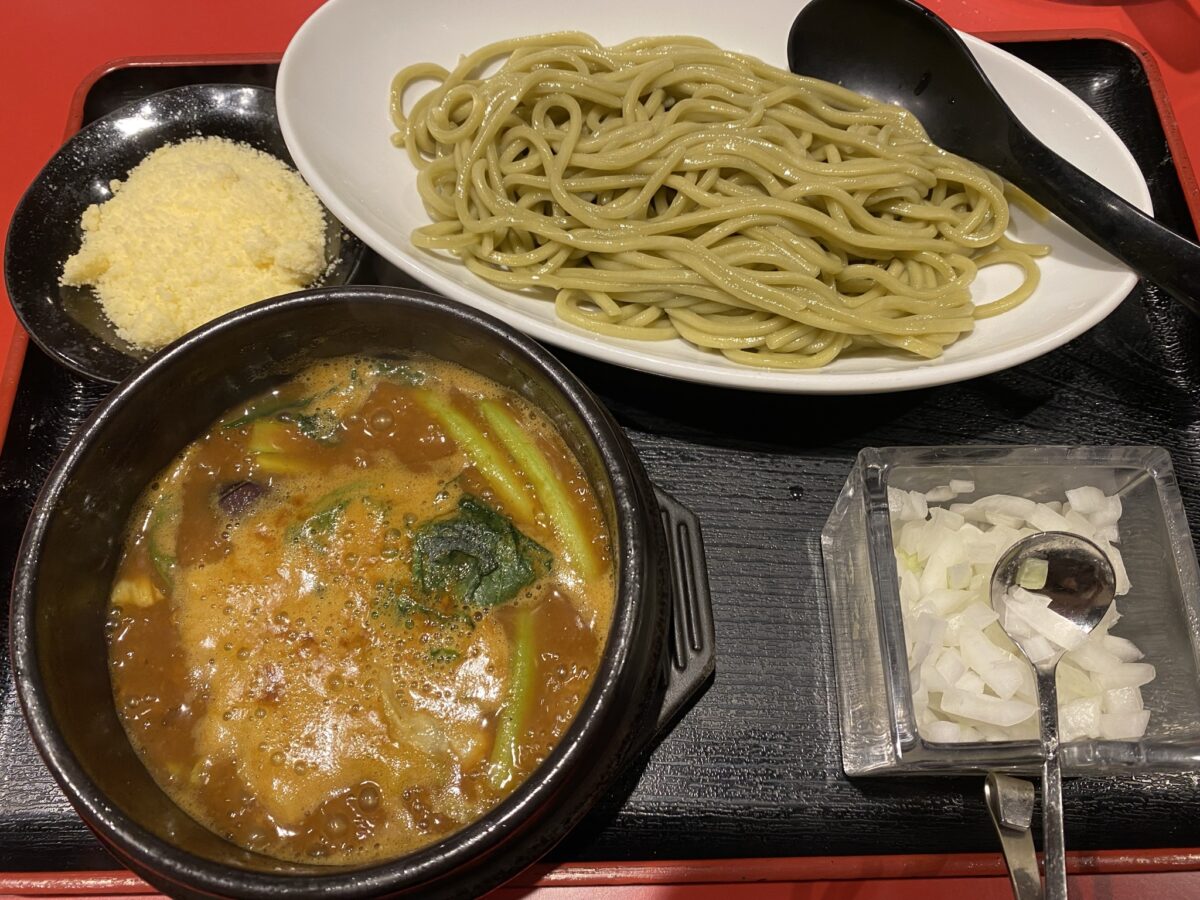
(1161, 612)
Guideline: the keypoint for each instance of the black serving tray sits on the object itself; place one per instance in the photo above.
(754, 769)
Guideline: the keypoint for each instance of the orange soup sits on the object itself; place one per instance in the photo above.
(354, 615)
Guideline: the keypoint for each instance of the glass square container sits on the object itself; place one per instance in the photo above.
(1161, 612)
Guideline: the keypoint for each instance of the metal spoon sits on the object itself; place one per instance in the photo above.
(899, 52)
(1010, 802)
(1080, 584)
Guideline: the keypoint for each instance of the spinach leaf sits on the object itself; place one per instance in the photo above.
(476, 555)
(320, 426)
(317, 528)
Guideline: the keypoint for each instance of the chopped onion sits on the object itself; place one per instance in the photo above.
(1122, 648)
(1126, 675)
(1086, 500)
(942, 732)
(1032, 573)
(1079, 718)
(979, 707)
(1121, 700)
(970, 682)
(1126, 726)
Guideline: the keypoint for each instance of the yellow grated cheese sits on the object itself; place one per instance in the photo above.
(196, 230)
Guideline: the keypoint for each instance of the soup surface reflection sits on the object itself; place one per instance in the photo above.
(360, 610)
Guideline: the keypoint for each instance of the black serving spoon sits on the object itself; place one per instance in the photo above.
(899, 52)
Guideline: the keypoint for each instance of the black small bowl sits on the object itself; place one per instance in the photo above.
(659, 653)
(68, 322)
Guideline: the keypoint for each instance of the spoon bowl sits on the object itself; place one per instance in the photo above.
(1076, 581)
(896, 51)
(902, 53)
(1080, 581)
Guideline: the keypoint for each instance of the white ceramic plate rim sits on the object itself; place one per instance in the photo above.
(715, 370)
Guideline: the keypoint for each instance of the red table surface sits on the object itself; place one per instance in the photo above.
(55, 46)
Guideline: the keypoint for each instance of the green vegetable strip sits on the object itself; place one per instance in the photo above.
(486, 457)
(268, 406)
(516, 710)
(164, 517)
(554, 499)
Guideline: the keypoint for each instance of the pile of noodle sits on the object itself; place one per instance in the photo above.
(667, 188)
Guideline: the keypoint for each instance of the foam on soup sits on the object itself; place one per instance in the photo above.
(355, 614)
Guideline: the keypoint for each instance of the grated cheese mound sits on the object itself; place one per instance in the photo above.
(196, 230)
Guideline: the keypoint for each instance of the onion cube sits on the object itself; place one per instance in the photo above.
(1022, 595)
(996, 517)
(931, 679)
(910, 535)
(1123, 700)
(1051, 625)
(942, 732)
(981, 553)
(947, 519)
(1079, 524)
(951, 667)
(939, 495)
(1118, 564)
(1093, 657)
(1006, 504)
(1046, 519)
(1127, 726)
(943, 602)
(962, 486)
(1005, 677)
(1108, 514)
(978, 651)
(1125, 675)
(987, 710)
(927, 633)
(1073, 681)
(958, 576)
(968, 733)
(1032, 573)
(1122, 648)
(974, 617)
(1086, 500)
(1038, 649)
(1080, 718)
(970, 683)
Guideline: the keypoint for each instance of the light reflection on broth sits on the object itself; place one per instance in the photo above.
(360, 610)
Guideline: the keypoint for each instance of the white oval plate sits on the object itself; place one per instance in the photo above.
(333, 94)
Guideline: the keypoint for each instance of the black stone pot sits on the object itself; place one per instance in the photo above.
(659, 651)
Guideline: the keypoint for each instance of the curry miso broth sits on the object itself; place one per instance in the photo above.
(355, 614)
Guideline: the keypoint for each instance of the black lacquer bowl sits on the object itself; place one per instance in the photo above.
(69, 322)
(659, 651)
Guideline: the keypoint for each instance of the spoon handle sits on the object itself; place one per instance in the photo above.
(1054, 858)
(1152, 251)
(1010, 802)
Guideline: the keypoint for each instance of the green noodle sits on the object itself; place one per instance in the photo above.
(666, 188)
